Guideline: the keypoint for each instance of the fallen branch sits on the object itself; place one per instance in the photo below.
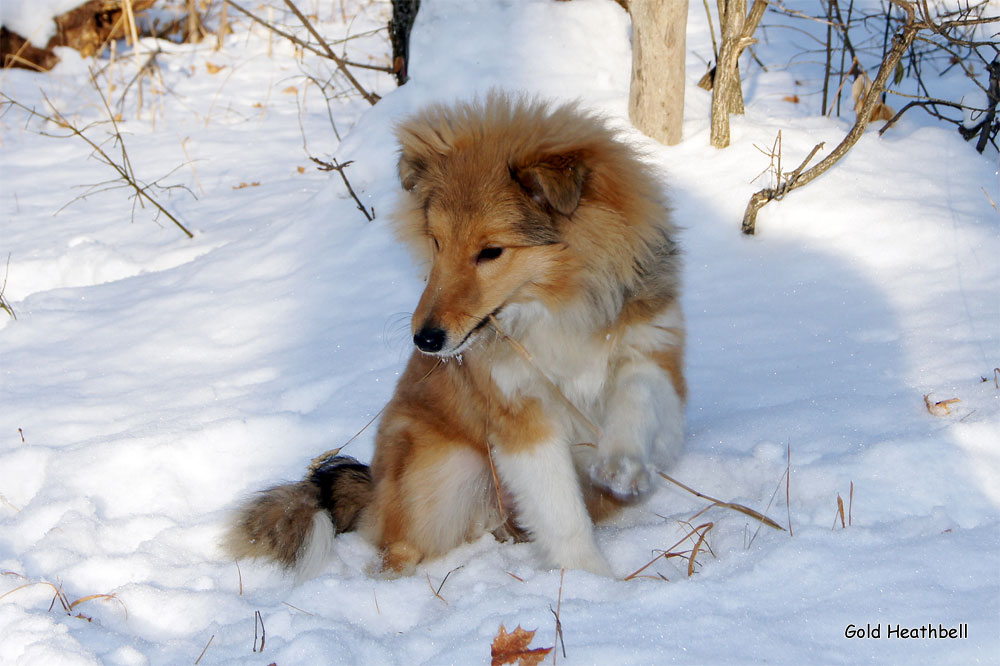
(900, 44)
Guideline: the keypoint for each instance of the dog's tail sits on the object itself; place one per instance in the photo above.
(294, 524)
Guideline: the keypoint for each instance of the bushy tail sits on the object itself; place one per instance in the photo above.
(294, 524)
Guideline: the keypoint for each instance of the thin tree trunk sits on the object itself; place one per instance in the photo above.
(727, 90)
(404, 13)
(656, 94)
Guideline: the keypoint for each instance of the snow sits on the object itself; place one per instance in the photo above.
(151, 381)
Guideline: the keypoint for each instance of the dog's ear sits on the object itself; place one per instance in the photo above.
(411, 168)
(555, 180)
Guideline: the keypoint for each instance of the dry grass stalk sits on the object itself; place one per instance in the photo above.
(204, 650)
(992, 203)
(496, 483)
(4, 305)
(669, 552)
(239, 575)
(728, 505)
(850, 506)
(437, 592)
(697, 546)
(6, 502)
(788, 485)
(298, 609)
(769, 502)
(61, 596)
(840, 513)
(557, 612)
(855, 67)
(258, 619)
(326, 455)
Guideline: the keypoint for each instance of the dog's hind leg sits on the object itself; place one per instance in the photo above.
(441, 497)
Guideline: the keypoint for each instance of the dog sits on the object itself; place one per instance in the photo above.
(547, 384)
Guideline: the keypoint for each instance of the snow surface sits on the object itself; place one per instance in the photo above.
(151, 381)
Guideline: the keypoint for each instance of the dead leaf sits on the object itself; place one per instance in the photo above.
(794, 99)
(256, 183)
(512, 648)
(291, 90)
(214, 69)
(859, 92)
(939, 408)
(300, 169)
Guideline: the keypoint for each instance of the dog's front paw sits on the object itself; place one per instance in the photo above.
(623, 476)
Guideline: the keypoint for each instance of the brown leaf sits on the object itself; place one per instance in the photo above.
(300, 169)
(794, 99)
(860, 90)
(939, 408)
(214, 69)
(290, 90)
(244, 185)
(512, 648)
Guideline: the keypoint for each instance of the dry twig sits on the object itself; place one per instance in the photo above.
(339, 168)
(123, 168)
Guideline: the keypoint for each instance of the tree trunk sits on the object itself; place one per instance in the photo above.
(727, 90)
(404, 13)
(656, 95)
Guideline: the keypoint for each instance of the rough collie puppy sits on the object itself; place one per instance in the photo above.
(547, 383)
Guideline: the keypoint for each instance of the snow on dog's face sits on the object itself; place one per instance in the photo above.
(489, 224)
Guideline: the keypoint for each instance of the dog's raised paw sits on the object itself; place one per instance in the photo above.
(624, 477)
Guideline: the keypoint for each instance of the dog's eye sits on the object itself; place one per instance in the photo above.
(488, 254)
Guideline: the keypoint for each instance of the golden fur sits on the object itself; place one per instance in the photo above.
(536, 222)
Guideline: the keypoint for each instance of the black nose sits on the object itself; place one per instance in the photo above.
(430, 339)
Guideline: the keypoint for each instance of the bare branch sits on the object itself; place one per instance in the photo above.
(900, 43)
(371, 98)
(339, 168)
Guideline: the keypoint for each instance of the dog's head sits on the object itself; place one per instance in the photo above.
(488, 213)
